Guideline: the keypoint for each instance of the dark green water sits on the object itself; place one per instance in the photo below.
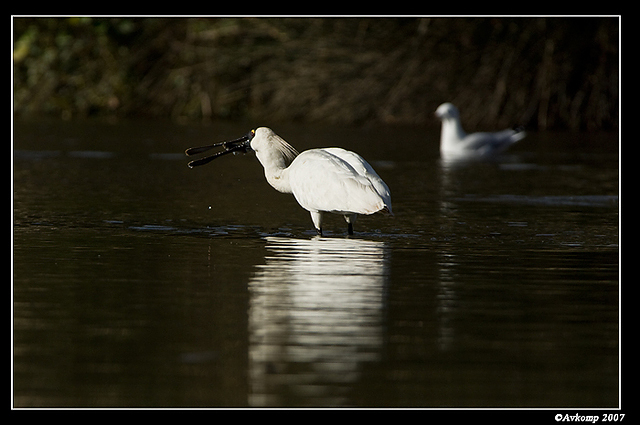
(138, 282)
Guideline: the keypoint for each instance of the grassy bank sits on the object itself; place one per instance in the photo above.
(543, 73)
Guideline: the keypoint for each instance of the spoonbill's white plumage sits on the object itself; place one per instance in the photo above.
(455, 143)
(322, 180)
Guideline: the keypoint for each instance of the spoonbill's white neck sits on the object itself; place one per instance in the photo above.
(275, 155)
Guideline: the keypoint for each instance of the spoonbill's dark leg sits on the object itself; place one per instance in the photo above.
(350, 219)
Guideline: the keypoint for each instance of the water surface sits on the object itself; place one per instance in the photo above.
(138, 282)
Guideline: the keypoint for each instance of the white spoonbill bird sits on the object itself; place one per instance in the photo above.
(322, 180)
(456, 144)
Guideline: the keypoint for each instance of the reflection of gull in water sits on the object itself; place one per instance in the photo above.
(447, 298)
(314, 318)
(455, 143)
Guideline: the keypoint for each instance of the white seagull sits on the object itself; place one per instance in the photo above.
(322, 180)
(456, 144)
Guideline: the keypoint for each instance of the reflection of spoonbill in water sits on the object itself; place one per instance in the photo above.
(314, 319)
(456, 143)
(322, 180)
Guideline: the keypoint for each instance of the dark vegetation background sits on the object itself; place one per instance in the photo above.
(543, 73)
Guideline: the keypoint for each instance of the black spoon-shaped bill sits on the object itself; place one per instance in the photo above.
(241, 144)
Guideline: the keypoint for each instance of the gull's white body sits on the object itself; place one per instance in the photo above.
(322, 180)
(455, 143)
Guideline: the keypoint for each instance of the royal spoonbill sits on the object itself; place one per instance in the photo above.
(322, 180)
(456, 144)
